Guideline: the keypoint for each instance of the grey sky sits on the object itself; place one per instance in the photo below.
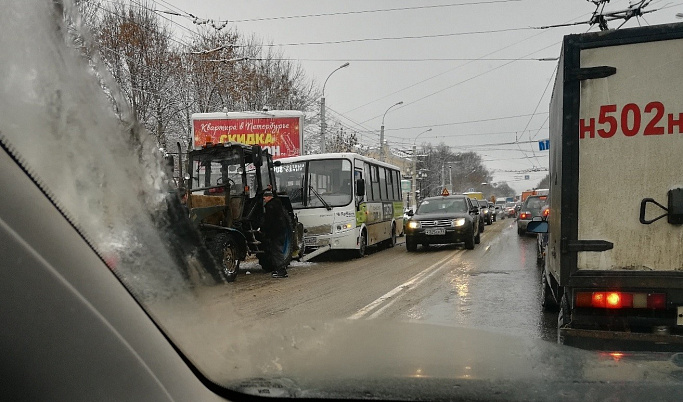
(467, 69)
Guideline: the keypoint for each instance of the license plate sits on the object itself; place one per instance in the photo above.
(431, 232)
(310, 241)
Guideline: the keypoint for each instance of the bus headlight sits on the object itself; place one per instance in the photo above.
(458, 222)
(342, 227)
(413, 224)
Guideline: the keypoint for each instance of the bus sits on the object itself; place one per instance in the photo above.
(345, 201)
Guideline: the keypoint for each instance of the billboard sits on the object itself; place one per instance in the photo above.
(280, 131)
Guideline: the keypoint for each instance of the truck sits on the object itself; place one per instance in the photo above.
(527, 193)
(475, 195)
(616, 124)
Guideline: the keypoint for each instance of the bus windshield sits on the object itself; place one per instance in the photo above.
(317, 183)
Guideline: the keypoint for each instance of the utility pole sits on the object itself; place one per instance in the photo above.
(322, 110)
(381, 132)
(412, 188)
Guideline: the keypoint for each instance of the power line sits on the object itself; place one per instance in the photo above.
(450, 70)
(344, 41)
(461, 82)
(463, 122)
(372, 11)
(416, 59)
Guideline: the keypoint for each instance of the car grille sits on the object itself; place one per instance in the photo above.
(435, 223)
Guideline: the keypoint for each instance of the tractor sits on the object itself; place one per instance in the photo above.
(224, 188)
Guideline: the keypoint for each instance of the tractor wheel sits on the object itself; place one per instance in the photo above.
(278, 250)
(226, 251)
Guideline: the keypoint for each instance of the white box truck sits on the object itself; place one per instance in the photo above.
(614, 257)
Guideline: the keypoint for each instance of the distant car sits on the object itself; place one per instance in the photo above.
(542, 238)
(500, 209)
(485, 211)
(492, 208)
(532, 208)
(444, 220)
(510, 211)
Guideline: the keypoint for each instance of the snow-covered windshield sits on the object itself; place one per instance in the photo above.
(356, 305)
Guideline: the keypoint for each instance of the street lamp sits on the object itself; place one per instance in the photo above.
(322, 109)
(412, 196)
(381, 132)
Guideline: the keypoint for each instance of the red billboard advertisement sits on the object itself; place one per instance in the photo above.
(281, 133)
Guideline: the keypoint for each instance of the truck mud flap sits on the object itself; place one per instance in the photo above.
(620, 341)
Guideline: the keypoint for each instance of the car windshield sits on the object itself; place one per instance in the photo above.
(534, 203)
(125, 123)
(443, 205)
(320, 182)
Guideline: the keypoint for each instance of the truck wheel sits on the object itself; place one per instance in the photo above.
(563, 317)
(548, 302)
(225, 250)
(520, 232)
(411, 244)
(469, 243)
(278, 251)
(362, 243)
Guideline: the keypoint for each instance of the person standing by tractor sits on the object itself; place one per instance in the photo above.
(276, 237)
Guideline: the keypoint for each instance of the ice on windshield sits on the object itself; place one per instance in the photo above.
(66, 120)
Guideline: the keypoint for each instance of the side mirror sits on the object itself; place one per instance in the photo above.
(360, 187)
(537, 227)
(475, 210)
(256, 155)
(411, 213)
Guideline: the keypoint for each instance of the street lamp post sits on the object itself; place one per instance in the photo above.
(412, 197)
(381, 132)
(322, 109)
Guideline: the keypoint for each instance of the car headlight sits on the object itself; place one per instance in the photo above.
(458, 222)
(413, 224)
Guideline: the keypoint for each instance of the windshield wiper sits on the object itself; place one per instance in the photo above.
(320, 197)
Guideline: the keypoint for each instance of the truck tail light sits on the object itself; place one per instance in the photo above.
(546, 212)
(525, 215)
(618, 300)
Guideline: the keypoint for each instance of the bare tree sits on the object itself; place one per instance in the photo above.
(138, 50)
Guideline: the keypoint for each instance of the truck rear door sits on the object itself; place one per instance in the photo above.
(630, 148)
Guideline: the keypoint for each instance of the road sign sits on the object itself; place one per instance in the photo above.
(544, 145)
(405, 185)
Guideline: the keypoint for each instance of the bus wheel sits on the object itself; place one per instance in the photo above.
(362, 243)
(392, 240)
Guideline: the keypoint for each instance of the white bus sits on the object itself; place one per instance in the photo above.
(345, 201)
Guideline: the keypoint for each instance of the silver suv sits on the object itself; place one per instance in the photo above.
(531, 208)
